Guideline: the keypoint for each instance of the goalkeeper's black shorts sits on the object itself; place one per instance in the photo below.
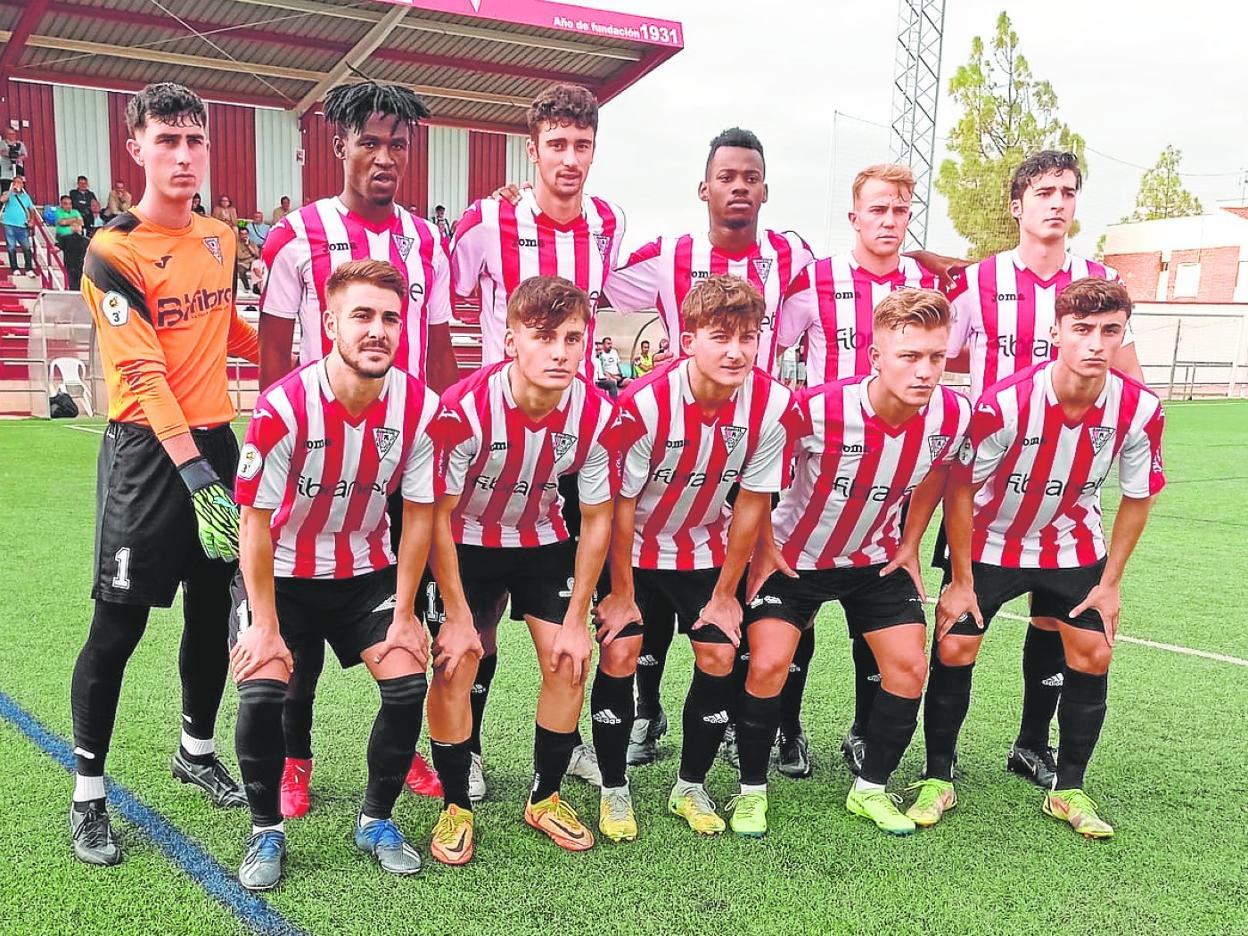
(146, 540)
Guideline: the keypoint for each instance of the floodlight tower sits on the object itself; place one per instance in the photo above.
(916, 88)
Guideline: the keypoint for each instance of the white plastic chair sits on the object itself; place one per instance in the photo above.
(66, 372)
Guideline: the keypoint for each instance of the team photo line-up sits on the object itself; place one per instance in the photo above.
(383, 505)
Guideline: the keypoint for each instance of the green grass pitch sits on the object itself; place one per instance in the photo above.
(1170, 771)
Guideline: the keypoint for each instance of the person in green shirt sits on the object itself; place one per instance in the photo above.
(70, 239)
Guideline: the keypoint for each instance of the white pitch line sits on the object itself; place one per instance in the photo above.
(86, 429)
(1140, 641)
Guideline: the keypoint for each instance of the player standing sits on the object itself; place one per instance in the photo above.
(506, 435)
(660, 275)
(1023, 515)
(1003, 310)
(374, 129)
(682, 438)
(866, 444)
(326, 446)
(556, 229)
(160, 283)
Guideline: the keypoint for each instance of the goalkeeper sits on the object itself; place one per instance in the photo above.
(159, 280)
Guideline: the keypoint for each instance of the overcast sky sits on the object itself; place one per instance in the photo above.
(1130, 75)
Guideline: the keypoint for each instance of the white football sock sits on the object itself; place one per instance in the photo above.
(87, 788)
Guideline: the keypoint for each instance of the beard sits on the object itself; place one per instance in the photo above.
(354, 359)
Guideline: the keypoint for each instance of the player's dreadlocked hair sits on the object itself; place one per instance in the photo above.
(738, 138)
(348, 106)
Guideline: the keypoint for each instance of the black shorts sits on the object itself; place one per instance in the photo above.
(146, 537)
(1054, 593)
(352, 613)
(538, 581)
(871, 603)
(659, 592)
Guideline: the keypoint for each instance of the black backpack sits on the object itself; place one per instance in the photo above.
(62, 406)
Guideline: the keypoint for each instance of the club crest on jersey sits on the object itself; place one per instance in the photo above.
(561, 443)
(214, 247)
(1099, 436)
(936, 444)
(384, 437)
(762, 266)
(404, 244)
(731, 435)
(604, 244)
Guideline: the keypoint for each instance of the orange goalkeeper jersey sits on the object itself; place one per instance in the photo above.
(163, 305)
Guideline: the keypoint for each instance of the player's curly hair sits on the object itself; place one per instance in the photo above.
(1042, 163)
(349, 106)
(380, 273)
(563, 105)
(738, 138)
(723, 301)
(923, 308)
(173, 104)
(546, 302)
(1091, 296)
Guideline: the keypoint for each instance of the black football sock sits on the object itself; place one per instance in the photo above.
(656, 640)
(393, 741)
(611, 718)
(892, 724)
(1079, 720)
(866, 684)
(204, 657)
(452, 761)
(705, 718)
(300, 697)
(258, 746)
(96, 686)
(795, 685)
(1043, 660)
(479, 696)
(552, 750)
(947, 701)
(757, 721)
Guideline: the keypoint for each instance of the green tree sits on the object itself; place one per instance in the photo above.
(1007, 114)
(1162, 194)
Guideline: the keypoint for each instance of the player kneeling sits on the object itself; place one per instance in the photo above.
(326, 446)
(863, 446)
(1023, 515)
(682, 438)
(505, 435)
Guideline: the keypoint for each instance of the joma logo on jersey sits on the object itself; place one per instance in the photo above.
(310, 488)
(314, 444)
(845, 294)
(851, 339)
(527, 241)
(1008, 345)
(339, 246)
(1009, 297)
(853, 448)
(676, 443)
(699, 274)
(1031, 440)
(173, 310)
(693, 478)
(487, 483)
(1020, 483)
(498, 446)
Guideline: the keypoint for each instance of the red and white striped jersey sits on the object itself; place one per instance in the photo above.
(660, 275)
(852, 472)
(307, 245)
(326, 475)
(679, 462)
(498, 245)
(831, 302)
(505, 466)
(1004, 312)
(1040, 504)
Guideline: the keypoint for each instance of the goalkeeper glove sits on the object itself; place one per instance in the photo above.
(216, 514)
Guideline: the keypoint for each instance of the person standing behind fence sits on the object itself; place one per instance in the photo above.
(12, 158)
(71, 241)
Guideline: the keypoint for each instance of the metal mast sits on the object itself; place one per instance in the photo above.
(916, 88)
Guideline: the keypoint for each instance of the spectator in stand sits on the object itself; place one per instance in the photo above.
(86, 204)
(442, 222)
(664, 353)
(197, 205)
(282, 210)
(225, 211)
(601, 380)
(643, 360)
(247, 254)
(258, 230)
(71, 240)
(12, 158)
(119, 202)
(611, 364)
(19, 217)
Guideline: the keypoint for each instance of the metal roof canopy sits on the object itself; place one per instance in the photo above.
(477, 63)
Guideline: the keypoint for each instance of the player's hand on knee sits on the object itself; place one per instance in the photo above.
(1105, 600)
(907, 558)
(614, 613)
(405, 633)
(724, 612)
(456, 641)
(957, 601)
(255, 649)
(574, 645)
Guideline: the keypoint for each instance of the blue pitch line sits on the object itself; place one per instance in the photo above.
(205, 870)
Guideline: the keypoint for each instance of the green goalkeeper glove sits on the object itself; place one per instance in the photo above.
(216, 514)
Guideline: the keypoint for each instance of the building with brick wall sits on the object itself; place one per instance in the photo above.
(1201, 259)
